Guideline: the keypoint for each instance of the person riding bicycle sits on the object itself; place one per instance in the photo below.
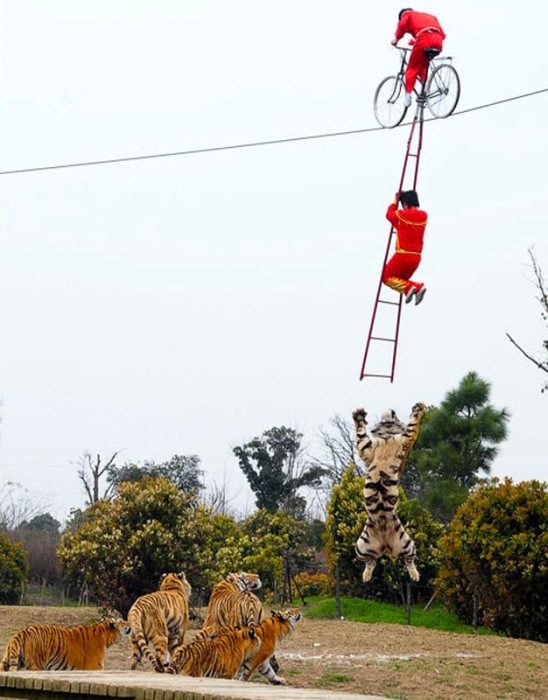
(409, 223)
(427, 34)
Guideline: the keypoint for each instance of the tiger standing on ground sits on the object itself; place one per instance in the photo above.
(384, 454)
(54, 648)
(270, 632)
(160, 619)
(233, 603)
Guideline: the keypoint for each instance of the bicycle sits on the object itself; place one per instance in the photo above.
(441, 92)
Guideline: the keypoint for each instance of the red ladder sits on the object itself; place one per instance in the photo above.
(418, 121)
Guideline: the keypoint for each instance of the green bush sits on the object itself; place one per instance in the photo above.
(313, 584)
(13, 571)
(495, 548)
(123, 546)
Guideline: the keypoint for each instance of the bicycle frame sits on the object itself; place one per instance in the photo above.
(421, 94)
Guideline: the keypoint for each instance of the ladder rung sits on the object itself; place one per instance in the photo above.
(388, 340)
(394, 303)
(386, 376)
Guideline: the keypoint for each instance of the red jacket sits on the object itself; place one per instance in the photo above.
(409, 225)
(414, 22)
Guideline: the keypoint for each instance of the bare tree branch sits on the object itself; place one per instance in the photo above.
(90, 474)
(338, 449)
(541, 365)
(543, 300)
(15, 506)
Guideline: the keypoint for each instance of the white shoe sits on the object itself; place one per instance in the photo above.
(407, 98)
(420, 295)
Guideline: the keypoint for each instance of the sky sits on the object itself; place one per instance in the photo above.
(185, 305)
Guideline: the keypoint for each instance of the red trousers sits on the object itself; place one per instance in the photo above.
(418, 63)
(398, 271)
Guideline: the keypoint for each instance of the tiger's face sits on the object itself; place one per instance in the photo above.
(115, 620)
(245, 581)
(174, 581)
(388, 426)
(291, 615)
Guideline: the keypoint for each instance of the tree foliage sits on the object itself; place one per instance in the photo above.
(13, 571)
(275, 472)
(182, 470)
(495, 548)
(457, 443)
(346, 518)
(40, 536)
(124, 545)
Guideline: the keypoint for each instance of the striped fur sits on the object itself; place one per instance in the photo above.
(161, 620)
(384, 454)
(220, 657)
(53, 648)
(270, 631)
(233, 603)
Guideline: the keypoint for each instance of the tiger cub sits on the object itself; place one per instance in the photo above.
(217, 657)
(160, 619)
(53, 648)
(269, 632)
(384, 454)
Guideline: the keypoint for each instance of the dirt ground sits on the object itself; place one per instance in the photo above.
(405, 663)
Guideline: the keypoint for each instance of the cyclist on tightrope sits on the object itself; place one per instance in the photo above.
(427, 34)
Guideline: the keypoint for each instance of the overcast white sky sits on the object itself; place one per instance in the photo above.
(185, 305)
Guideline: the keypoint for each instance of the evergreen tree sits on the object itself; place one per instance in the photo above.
(457, 443)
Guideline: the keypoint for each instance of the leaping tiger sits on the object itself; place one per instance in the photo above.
(384, 454)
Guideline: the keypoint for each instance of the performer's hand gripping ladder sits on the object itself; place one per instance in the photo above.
(415, 136)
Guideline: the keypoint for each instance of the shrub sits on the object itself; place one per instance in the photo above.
(313, 584)
(495, 548)
(13, 571)
(123, 546)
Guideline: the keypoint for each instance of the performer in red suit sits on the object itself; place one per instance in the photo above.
(409, 223)
(427, 34)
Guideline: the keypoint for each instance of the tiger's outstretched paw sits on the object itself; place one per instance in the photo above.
(367, 574)
(359, 415)
(413, 572)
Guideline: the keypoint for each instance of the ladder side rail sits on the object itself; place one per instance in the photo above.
(386, 255)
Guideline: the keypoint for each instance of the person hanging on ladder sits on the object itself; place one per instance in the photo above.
(427, 34)
(409, 223)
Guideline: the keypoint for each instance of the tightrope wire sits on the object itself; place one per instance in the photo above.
(255, 144)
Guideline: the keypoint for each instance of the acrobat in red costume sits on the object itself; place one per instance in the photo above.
(409, 224)
(427, 34)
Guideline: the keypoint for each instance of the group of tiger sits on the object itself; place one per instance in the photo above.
(235, 640)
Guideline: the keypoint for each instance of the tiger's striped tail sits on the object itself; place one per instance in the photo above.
(140, 649)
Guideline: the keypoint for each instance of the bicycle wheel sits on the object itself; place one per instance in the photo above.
(443, 91)
(388, 103)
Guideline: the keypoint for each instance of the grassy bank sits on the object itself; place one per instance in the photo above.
(360, 610)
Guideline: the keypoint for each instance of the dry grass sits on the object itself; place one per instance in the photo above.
(408, 663)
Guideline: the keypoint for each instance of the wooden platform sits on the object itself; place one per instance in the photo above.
(80, 685)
